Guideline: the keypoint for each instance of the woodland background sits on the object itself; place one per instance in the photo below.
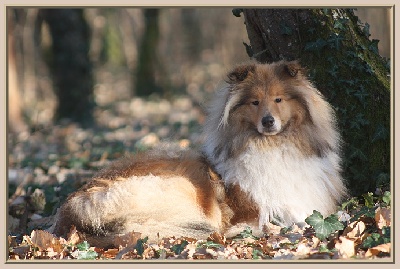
(151, 74)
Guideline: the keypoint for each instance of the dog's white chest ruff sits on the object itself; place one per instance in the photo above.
(286, 185)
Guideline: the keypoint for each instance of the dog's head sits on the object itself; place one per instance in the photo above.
(264, 98)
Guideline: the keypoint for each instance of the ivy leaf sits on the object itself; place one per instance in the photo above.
(311, 30)
(178, 248)
(380, 133)
(324, 249)
(340, 24)
(362, 120)
(374, 46)
(209, 244)
(140, 245)
(333, 72)
(369, 199)
(236, 12)
(317, 45)
(386, 198)
(369, 69)
(373, 240)
(366, 29)
(351, 54)
(364, 211)
(358, 153)
(257, 254)
(285, 29)
(383, 179)
(84, 246)
(335, 41)
(246, 233)
(386, 234)
(325, 11)
(351, 203)
(362, 94)
(84, 253)
(324, 227)
(87, 255)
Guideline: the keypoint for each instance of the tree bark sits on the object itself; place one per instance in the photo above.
(70, 64)
(150, 75)
(15, 119)
(346, 67)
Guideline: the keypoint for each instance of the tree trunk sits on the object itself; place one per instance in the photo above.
(70, 64)
(150, 75)
(14, 104)
(192, 39)
(346, 67)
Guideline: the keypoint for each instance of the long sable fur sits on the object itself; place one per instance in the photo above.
(309, 142)
(242, 175)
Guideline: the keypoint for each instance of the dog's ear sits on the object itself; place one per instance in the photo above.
(290, 69)
(240, 73)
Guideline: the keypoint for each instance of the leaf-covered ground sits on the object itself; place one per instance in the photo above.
(49, 162)
(365, 238)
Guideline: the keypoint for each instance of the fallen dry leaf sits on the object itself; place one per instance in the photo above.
(378, 249)
(22, 250)
(316, 241)
(148, 253)
(110, 253)
(303, 249)
(73, 236)
(46, 241)
(355, 230)
(346, 247)
(382, 217)
(190, 250)
(249, 252)
(272, 229)
(12, 241)
(217, 238)
(128, 239)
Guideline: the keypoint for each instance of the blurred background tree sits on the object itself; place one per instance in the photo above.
(69, 63)
(14, 96)
(150, 74)
(123, 52)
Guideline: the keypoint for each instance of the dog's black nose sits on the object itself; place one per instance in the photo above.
(268, 121)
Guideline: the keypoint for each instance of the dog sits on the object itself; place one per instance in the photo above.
(271, 153)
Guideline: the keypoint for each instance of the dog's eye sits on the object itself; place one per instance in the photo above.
(278, 100)
(255, 103)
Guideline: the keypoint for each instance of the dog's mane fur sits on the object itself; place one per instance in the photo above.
(316, 138)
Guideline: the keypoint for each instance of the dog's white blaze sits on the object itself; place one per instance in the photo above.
(286, 185)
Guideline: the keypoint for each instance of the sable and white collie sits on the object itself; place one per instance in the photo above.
(271, 153)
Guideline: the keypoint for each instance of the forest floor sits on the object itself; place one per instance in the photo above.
(47, 163)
